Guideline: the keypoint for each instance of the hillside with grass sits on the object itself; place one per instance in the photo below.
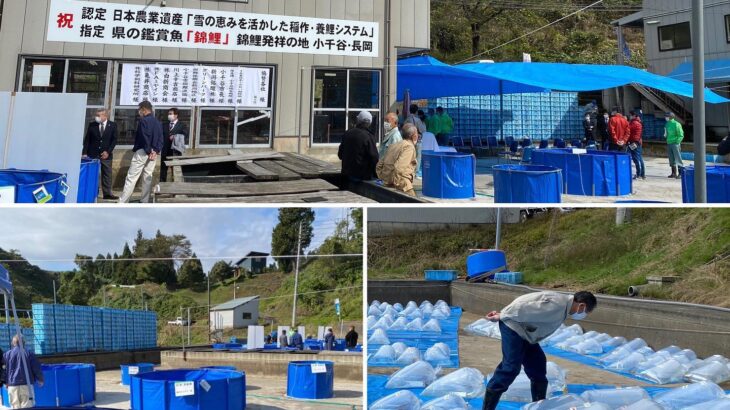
(584, 249)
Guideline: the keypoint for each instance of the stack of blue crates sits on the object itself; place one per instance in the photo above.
(66, 329)
(7, 331)
(514, 278)
(537, 116)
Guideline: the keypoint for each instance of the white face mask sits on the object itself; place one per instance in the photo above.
(98, 120)
(579, 315)
(388, 127)
(171, 118)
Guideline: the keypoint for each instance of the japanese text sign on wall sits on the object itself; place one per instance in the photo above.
(126, 24)
(188, 85)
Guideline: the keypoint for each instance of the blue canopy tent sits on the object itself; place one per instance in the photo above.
(6, 289)
(426, 77)
(584, 77)
(716, 71)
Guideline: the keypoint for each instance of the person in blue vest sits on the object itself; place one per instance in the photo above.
(296, 340)
(19, 391)
(329, 340)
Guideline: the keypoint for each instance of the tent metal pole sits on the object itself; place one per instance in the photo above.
(698, 102)
(501, 109)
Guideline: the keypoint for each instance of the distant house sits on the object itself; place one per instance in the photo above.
(254, 262)
(235, 314)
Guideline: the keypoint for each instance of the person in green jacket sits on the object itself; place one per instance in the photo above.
(675, 134)
(446, 125)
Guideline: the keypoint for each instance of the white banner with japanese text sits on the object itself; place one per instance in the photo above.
(189, 85)
(126, 24)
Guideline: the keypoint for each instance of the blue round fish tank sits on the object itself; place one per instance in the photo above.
(718, 185)
(35, 186)
(310, 380)
(593, 173)
(65, 385)
(129, 370)
(484, 262)
(527, 184)
(448, 175)
(189, 389)
(88, 188)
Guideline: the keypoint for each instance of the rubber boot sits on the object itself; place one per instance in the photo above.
(538, 390)
(680, 172)
(491, 399)
(674, 173)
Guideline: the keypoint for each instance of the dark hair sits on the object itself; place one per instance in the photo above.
(174, 111)
(439, 109)
(633, 113)
(587, 298)
(420, 112)
(413, 108)
(145, 105)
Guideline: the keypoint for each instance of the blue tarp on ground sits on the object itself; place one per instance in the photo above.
(583, 77)
(377, 390)
(427, 77)
(715, 71)
(588, 360)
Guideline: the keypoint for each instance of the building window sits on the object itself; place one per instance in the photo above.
(184, 116)
(675, 37)
(89, 77)
(727, 27)
(338, 96)
(246, 316)
(43, 75)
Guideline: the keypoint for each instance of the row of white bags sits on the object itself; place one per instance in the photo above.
(440, 310)
(402, 323)
(399, 353)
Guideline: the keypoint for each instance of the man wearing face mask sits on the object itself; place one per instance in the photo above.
(602, 128)
(175, 132)
(147, 146)
(392, 134)
(99, 143)
(524, 323)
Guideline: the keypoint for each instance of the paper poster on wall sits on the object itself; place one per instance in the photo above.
(195, 85)
(136, 24)
(41, 75)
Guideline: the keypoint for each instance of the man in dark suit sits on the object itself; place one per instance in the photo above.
(99, 142)
(172, 148)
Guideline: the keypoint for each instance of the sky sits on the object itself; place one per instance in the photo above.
(61, 233)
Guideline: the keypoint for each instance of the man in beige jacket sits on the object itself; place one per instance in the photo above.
(524, 323)
(398, 168)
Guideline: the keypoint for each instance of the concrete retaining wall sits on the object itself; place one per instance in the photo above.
(704, 329)
(348, 366)
(104, 360)
(403, 291)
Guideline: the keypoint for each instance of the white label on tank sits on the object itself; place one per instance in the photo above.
(580, 151)
(184, 389)
(133, 370)
(318, 368)
(205, 385)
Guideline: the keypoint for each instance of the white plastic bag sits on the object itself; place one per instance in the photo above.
(402, 400)
(398, 307)
(689, 395)
(425, 303)
(636, 344)
(410, 355)
(414, 376)
(616, 397)
(427, 310)
(374, 310)
(475, 325)
(437, 355)
(448, 402)
(628, 363)
(671, 371)
(399, 348)
(520, 389)
(441, 313)
(383, 323)
(645, 404)
(411, 304)
(415, 325)
(719, 404)
(613, 343)
(385, 354)
(715, 372)
(399, 324)
(670, 349)
(379, 337)
(652, 361)
(566, 401)
(432, 326)
(372, 320)
(466, 382)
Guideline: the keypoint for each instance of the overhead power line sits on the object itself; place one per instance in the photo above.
(184, 258)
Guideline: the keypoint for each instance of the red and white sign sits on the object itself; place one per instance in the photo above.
(136, 25)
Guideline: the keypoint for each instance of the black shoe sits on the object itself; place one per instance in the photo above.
(491, 399)
(538, 390)
(111, 198)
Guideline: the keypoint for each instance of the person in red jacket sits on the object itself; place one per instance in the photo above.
(618, 127)
(636, 129)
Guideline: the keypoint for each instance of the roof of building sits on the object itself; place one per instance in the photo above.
(632, 20)
(250, 254)
(232, 304)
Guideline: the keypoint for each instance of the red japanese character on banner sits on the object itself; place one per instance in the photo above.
(65, 20)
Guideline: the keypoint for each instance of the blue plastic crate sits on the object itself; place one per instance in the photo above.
(442, 275)
(513, 278)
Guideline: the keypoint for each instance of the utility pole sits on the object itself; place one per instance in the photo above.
(182, 332)
(54, 291)
(498, 238)
(296, 279)
(698, 102)
(209, 324)
(189, 324)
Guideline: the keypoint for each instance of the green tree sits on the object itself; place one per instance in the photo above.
(123, 270)
(191, 274)
(80, 285)
(285, 237)
(159, 256)
(221, 271)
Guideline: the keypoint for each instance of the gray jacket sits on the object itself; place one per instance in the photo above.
(536, 316)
